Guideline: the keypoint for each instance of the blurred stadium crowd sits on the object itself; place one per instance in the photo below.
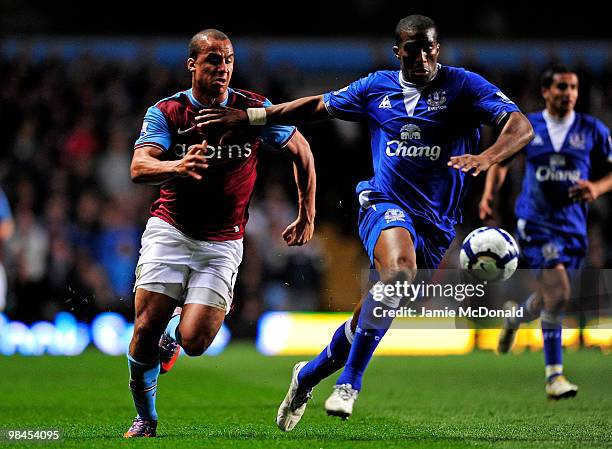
(68, 127)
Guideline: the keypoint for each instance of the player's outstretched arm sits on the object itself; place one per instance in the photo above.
(296, 111)
(516, 133)
(301, 230)
(496, 175)
(301, 110)
(147, 166)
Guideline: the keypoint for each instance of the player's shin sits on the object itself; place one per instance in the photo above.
(553, 349)
(330, 360)
(143, 385)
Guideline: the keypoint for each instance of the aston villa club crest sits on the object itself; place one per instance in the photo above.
(436, 100)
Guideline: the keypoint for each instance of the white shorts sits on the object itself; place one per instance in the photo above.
(172, 262)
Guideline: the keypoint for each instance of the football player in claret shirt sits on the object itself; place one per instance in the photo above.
(192, 244)
(552, 211)
(424, 122)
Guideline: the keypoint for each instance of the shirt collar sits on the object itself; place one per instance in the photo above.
(405, 83)
(199, 104)
(569, 118)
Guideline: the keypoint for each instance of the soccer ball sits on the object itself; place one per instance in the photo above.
(489, 254)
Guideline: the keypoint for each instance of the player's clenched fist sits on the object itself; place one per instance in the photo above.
(299, 232)
(584, 190)
(194, 163)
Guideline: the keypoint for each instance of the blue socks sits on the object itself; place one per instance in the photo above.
(345, 349)
(363, 347)
(553, 347)
(370, 330)
(330, 360)
(143, 384)
(172, 327)
(551, 334)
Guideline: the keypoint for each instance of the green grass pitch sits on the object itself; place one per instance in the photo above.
(475, 401)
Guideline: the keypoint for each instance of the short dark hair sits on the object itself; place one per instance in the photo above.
(195, 45)
(415, 22)
(546, 79)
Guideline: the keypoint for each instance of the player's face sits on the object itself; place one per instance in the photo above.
(213, 68)
(418, 54)
(562, 94)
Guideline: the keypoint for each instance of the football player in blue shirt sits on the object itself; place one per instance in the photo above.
(552, 211)
(424, 122)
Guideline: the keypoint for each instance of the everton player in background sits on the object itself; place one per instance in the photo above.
(192, 244)
(424, 122)
(552, 211)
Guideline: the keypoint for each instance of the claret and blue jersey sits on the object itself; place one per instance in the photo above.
(216, 207)
(415, 130)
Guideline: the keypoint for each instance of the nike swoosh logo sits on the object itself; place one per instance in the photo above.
(183, 131)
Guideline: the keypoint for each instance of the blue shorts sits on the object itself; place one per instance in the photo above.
(544, 248)
(430, 242)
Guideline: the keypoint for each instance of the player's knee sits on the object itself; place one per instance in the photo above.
(555, 297)
(556, 300)
(145, 332)
(196, 343)
(400, 269)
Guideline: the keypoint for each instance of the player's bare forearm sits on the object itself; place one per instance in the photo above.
(587, 191)
(305, 175)
(604, 185)
(496, 176)
(516, 133)
(302, 229)
(297, 111)
(148, 168)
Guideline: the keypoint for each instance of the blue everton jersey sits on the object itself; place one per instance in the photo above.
(415, 130)
(550, 170)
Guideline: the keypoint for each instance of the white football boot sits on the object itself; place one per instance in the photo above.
(341, 401)
(560, 388)
(294, 405)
